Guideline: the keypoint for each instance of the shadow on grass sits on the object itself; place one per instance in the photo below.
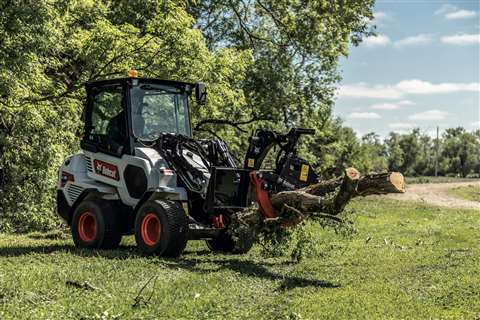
(245, 267)
(122, 252)
(250, 268)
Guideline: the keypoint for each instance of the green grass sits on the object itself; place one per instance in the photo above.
(471, 193)
(427, 179)
(420, 263)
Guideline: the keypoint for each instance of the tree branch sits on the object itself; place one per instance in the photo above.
(233, 124)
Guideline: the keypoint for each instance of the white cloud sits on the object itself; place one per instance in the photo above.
(402, 125)
(444, 9)
(476, 124)
(403, 88)
(406, 103)
(391, 106)
(380, 15)
(380, 40)
(429, 115)
(414, 40)
(452, 12)
(462, 39)
(363, 90)
(423, 87)
(385, 106)
(460, 14)
(364, 115)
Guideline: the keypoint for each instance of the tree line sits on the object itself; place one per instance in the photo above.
(456, 153)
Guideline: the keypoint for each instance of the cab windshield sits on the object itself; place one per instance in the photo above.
(158, 109)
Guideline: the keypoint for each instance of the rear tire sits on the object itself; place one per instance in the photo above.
(96, 225)
(161, 228)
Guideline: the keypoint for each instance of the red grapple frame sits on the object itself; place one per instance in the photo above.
(263, 199)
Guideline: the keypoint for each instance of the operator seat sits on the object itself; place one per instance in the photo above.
(139, 121)
(117, 133)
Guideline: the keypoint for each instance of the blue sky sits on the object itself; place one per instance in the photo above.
(422, 70)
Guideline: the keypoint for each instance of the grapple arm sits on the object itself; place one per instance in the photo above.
(291, 172)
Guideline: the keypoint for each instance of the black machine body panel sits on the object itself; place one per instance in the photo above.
(136, 181)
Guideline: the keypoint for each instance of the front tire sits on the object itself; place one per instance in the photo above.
(96, 225)
(161, 228)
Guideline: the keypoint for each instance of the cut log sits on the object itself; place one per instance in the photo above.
(329, 198)
(375, 183)
(381, 183)
(306, 200)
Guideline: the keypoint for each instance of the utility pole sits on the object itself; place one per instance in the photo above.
(436, 154)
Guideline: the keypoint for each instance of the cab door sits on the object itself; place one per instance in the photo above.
(106, 132)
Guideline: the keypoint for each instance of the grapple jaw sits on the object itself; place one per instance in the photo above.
(263, 190)
(262, 195)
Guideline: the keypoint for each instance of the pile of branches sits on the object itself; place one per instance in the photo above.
(321, 201)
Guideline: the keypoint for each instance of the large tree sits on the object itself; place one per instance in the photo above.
(51, 48)
(295, 45)
(460, 151)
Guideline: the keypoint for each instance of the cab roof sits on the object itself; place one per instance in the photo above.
(96, 83)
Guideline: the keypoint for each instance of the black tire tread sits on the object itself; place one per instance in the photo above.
(113, 227)
(178, 228)
(112, 233)
(174, 224)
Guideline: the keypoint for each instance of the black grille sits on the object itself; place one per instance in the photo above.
(136, 181)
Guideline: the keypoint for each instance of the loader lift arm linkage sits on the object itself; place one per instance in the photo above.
(290, 172)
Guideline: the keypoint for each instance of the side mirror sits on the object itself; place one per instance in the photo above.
(201, 93)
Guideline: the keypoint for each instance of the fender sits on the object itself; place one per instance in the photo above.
(160, 194)
(81, 197)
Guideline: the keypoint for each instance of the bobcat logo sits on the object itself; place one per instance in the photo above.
(106, 169)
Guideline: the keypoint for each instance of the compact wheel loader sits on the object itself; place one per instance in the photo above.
(140, 171)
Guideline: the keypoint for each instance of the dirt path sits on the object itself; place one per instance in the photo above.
(437, 194)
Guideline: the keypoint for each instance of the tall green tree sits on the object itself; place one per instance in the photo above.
(460, 151)
(267, 63)
(295, 46)
(51, 48)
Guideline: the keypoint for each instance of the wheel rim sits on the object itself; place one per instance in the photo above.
(150, 229)
(87, 226)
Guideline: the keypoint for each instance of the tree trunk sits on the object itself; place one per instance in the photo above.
(329, 198)
(375, 183)
(316, 197)
(325, 199)
(319, 197)
(381, 183)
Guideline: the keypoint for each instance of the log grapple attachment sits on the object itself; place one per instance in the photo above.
(290, 172)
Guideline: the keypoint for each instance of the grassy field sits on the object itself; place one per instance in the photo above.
(471, 193)
(427, 179)
(407, 261)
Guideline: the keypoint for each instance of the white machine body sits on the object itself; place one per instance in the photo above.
(104, 173)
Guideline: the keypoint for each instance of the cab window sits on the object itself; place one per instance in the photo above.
(158, 109)
(108, 121)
